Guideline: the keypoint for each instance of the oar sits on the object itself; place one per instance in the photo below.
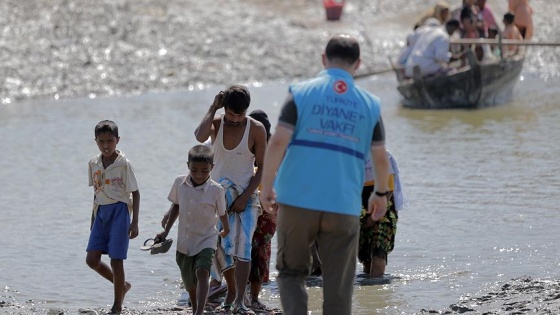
(367, 74)
(481, 41)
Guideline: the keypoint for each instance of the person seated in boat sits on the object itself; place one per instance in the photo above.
(486, 15)
(412, 38)
(439, 12)
(493, 33)
(466, 4)
(511, 32)
(431, 52)
(470, 30)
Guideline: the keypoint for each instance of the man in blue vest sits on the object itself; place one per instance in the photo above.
(327, 129)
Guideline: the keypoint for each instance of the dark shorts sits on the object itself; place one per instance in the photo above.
(378, 239)
(189, 264)
(261, 250)
(110, 231)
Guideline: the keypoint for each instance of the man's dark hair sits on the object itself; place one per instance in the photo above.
(201, 153)
(453, 23)
(343, 47)
(466, 13)
(237, 98)
(509, 18)
(106, 126)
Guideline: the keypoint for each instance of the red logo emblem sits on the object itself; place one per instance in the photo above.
(340, 87)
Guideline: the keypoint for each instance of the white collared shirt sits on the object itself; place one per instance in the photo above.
(199, 211)
(114, 183)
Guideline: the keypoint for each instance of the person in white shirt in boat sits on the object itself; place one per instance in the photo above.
(431, 52)
(413, 37)
(440, 12)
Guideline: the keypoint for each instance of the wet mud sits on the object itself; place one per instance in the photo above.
(523, 295)
(74, 48)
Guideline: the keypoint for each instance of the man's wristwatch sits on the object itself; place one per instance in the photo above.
(381, 194)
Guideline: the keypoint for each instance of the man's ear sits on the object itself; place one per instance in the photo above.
(357, 64)
(324, 60)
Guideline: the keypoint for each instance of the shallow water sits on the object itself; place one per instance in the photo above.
(482, 188)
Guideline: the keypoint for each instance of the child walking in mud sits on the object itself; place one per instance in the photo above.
(116, 200)
(197, 201)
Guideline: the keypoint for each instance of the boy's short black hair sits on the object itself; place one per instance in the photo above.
(453, 23)
(343, 47)
(201, 153)
(106, 126)
(237, 98)
(509, 18)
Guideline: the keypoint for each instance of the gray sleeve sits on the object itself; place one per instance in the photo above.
(288, 114)
(378, 132)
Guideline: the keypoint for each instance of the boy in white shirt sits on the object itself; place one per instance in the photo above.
(197, 201)
(116, 200)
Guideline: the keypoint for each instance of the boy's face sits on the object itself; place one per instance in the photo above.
(200, 171)
(107, 143)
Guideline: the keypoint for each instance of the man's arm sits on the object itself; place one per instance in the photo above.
(206, 127)
(275, 151)
(259, 134)
(442, 53)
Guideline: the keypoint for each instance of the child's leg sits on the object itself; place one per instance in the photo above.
(93, 260)
(229, 275)
(119, 284)
(202, 276)
(194, 301)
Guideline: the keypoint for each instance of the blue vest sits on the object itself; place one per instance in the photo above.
(323, 168)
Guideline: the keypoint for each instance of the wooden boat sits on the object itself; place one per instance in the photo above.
(478, 85)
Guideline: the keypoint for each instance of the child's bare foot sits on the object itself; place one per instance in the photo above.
(127, 287)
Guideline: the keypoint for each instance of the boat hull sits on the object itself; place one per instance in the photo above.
(480, 85)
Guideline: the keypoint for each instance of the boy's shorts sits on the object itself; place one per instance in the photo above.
(189, 264)
(378, 240)
(110, 231)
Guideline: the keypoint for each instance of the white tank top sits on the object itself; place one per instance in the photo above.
(236, 164)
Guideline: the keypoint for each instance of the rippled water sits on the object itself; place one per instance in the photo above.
(482, 187)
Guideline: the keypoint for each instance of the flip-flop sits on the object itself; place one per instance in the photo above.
(224, 308)
(157, 245)
(243, 310)
(147, 246)
(257, 306)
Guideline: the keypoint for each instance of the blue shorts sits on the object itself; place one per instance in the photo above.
(109, 233)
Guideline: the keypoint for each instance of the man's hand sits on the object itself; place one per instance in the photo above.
(377, 207)
(218, 101)
(268, 202)
(239, 204)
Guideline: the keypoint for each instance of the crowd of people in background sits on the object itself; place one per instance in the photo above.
(429, 45)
